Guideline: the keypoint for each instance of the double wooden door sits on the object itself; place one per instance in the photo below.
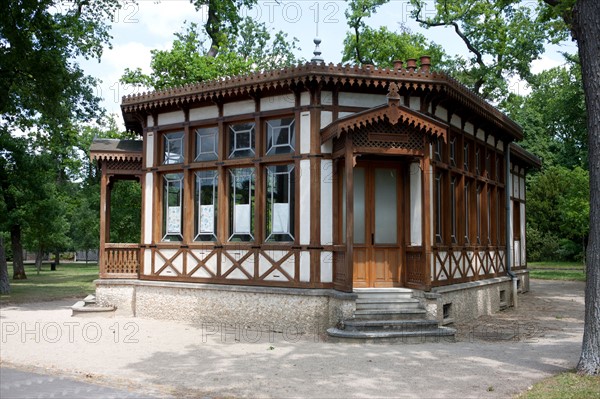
(378, 211)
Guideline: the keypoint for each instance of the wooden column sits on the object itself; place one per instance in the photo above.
(104, 217)
(426, 174)
(349, 176)
(315, 186)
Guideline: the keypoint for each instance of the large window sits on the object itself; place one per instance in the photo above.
(241, 140)
(453, 210)
(467, 210)
(172, 148)
(206, 209)
(241, 204)
(280, 203)
(172, 207)
(280, 136)
(438, 208)
(207, 144)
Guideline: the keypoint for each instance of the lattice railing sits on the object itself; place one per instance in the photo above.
(416, 275)
(451, 266)
(120, 260)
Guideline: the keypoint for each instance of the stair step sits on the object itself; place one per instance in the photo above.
(379, 314)
(382, 290)
(82, 309)
(90, 299)
(397, 325)
(430, 335)
(363, 300)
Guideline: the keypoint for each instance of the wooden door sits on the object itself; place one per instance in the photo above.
(377, 225)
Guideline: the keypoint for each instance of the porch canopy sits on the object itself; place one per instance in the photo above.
(118, 160)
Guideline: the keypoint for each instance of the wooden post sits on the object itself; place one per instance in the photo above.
(103, 218)
(426, 173)
(349, 172)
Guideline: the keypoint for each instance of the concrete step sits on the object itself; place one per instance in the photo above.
(439, 334)
(396, 290)
(404, 314)
(394, 299)
(398, 325)
(82, 309)
(389, 306)
(89, 300)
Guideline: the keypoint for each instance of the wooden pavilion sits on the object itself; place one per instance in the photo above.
(315, 181)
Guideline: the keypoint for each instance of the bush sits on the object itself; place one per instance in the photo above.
(541, 246)
(547, 246)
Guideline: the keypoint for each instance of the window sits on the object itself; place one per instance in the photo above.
(453, 151)
(280, 136)
(466, 157)
(488, 164)
(205, 205)
(438, 148)
(453, 209)
(172, 148)
(241, 204)
(477, 161)
(241, 140)
(467, 220)
(172, 207)
(478, 213)
(280, 203)
(438, 208)
(489, 215)
(207, 142)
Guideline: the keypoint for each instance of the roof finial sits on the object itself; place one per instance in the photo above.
(317, 53)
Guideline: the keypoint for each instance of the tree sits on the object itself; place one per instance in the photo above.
(4, 282)
(382, 47)
(582, 17)
(502, 37)
(189, 61)
(43, 90)
(553, 116)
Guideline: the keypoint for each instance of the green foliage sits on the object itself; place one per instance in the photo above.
(553, 116)
(558, 213)
(502, 36)
(382, 46)
(125, 223)
(189, 61)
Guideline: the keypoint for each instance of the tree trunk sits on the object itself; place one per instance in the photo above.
(17, 249)
(586, 26)
(57, 258)
(38, 260)
(4, 282)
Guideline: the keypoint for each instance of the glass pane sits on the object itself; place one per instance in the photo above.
(173, 148)
(206, 144)
(280, 203)
(280, 136)
(386, 203)
(206, 209)
(172, 207)
(241, 140)
(359, 206)
(241, 204)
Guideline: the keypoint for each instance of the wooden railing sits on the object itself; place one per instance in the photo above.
(416, 268)
(120, 261)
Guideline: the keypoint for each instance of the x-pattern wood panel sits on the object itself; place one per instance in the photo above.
(451, 267)
(168, 262)
(201, 263)
(237, 263)
(276, 265)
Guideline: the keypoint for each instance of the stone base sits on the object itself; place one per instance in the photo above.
(255, 308)
(467, 301)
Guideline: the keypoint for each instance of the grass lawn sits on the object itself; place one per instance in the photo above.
(556, 271)
(565, 386)
(70, 280)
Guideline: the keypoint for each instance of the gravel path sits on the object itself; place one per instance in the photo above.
(495, 357)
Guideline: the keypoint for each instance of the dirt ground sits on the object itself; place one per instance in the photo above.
(495, 357)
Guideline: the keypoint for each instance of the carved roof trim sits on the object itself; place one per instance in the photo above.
(321, 73)
(394, 112)
(116, 150)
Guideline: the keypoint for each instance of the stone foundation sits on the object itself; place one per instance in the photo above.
(256, 308)
(467, 301)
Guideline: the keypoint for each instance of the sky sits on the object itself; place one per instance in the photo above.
(150, 24)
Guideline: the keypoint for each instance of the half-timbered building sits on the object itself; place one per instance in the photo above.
(274, 198)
